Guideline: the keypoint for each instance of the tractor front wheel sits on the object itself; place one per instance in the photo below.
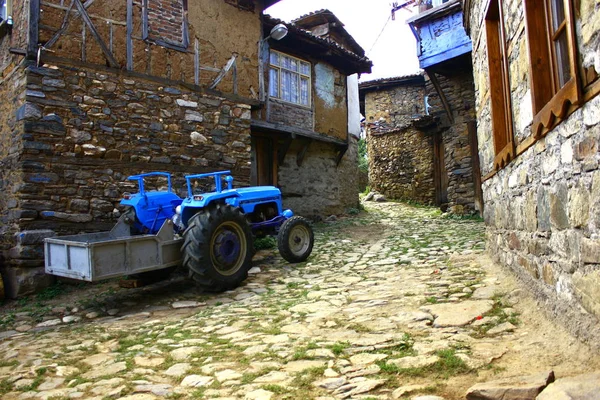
(217, 248)
(295, 239)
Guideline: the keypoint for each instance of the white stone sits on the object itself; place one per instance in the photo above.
(185, 103)
(299, 366)
(110, 369)
(458, 314)
(183, 353)
(366, 358)
(566, 152)
(197, 381)
(259, 394)
(51, 322)
(186, 304)
(177, 369)
(331, 383)
(227, 375)
(198, 138)
(591, 112)
(414, 362)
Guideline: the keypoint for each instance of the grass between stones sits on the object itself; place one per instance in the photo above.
(448, 365)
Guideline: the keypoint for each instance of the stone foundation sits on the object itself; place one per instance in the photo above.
(79, 133)
(318, 187)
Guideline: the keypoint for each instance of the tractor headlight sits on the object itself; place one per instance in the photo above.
(178, 210)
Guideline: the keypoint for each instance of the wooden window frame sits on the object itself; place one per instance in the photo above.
(551, 101)
(500, 94)
(185, 40)
(298, 73)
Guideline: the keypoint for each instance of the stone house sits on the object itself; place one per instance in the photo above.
(536, 68)
(96, 91)
(423, 128)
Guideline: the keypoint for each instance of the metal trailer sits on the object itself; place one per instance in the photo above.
(96, 256)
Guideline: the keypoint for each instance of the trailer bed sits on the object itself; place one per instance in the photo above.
(93, 257)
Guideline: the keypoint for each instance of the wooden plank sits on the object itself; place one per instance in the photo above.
(224, 71)
(235, 78)
(302, 152)
(86, 18)
(83, 44)
(197, 62)
(86, 5)
(129, 32)
(34, 29)
(341, 152)
(283, 149)
(440, 92)
(62, 29)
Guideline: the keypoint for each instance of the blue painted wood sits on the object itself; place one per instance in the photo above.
(441, 39)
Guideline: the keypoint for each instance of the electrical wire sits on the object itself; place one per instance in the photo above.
(378, 36)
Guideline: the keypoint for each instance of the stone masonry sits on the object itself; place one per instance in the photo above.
(400, 141)
(400, 155)
(542, 210)
(80, 133)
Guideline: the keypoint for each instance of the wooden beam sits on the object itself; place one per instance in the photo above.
(341, 152)
(86, 18)
(224, 71)
(440, 92)
(302, 152)
(129, 32)
(62, 29)
(283, 149)
(197, 62)
(34, 28)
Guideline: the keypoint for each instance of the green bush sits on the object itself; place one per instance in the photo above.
(267, 242)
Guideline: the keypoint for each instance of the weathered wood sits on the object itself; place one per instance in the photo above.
(83, 44)
(224, 71)
(129, 40)
(34, 29)
(62, 29)
(86, 5)
(340, 155)
(86, 18)
(302, 152)
(197, 61)
(265, 126)
(440, 92)
(283, 149)
(235, 78)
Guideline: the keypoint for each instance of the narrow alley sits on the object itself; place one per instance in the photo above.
(397, 302)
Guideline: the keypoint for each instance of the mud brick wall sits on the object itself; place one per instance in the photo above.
(320, 188)
(165, 20)
(459, 91)
(400, 165)
(542, 210)
(83, 131)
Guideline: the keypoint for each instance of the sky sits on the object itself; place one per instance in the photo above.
(389, 44)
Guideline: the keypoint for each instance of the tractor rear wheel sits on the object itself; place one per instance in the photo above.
(295, 239)
(217, 248)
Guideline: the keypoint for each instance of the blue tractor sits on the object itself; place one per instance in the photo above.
(218, 227)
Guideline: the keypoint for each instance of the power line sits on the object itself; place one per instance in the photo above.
(378, 36)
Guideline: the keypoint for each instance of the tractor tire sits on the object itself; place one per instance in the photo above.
(132, 221)
(217, 248)
(295, 239)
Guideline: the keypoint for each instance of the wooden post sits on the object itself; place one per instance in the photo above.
(34, 28)
(129, 32)
(197, 62)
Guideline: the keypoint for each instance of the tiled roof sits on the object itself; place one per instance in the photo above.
(331, 17)
(325, 41)
(392, 81)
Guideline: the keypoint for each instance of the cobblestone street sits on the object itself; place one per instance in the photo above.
(394, 303)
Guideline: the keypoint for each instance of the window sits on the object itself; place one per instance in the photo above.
(502, 124)
(165, 23)
(289, 79)
(555, 80)
(5, 9)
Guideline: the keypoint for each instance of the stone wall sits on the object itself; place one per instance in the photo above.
(542, 210)
(401, 165)
(318, 187)
(458, 89)
(83, 131)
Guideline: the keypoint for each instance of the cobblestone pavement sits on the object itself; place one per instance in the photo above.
(397, 302)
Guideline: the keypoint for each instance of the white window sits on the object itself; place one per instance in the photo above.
(3, 10)
(289, 79)
(436, 3)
